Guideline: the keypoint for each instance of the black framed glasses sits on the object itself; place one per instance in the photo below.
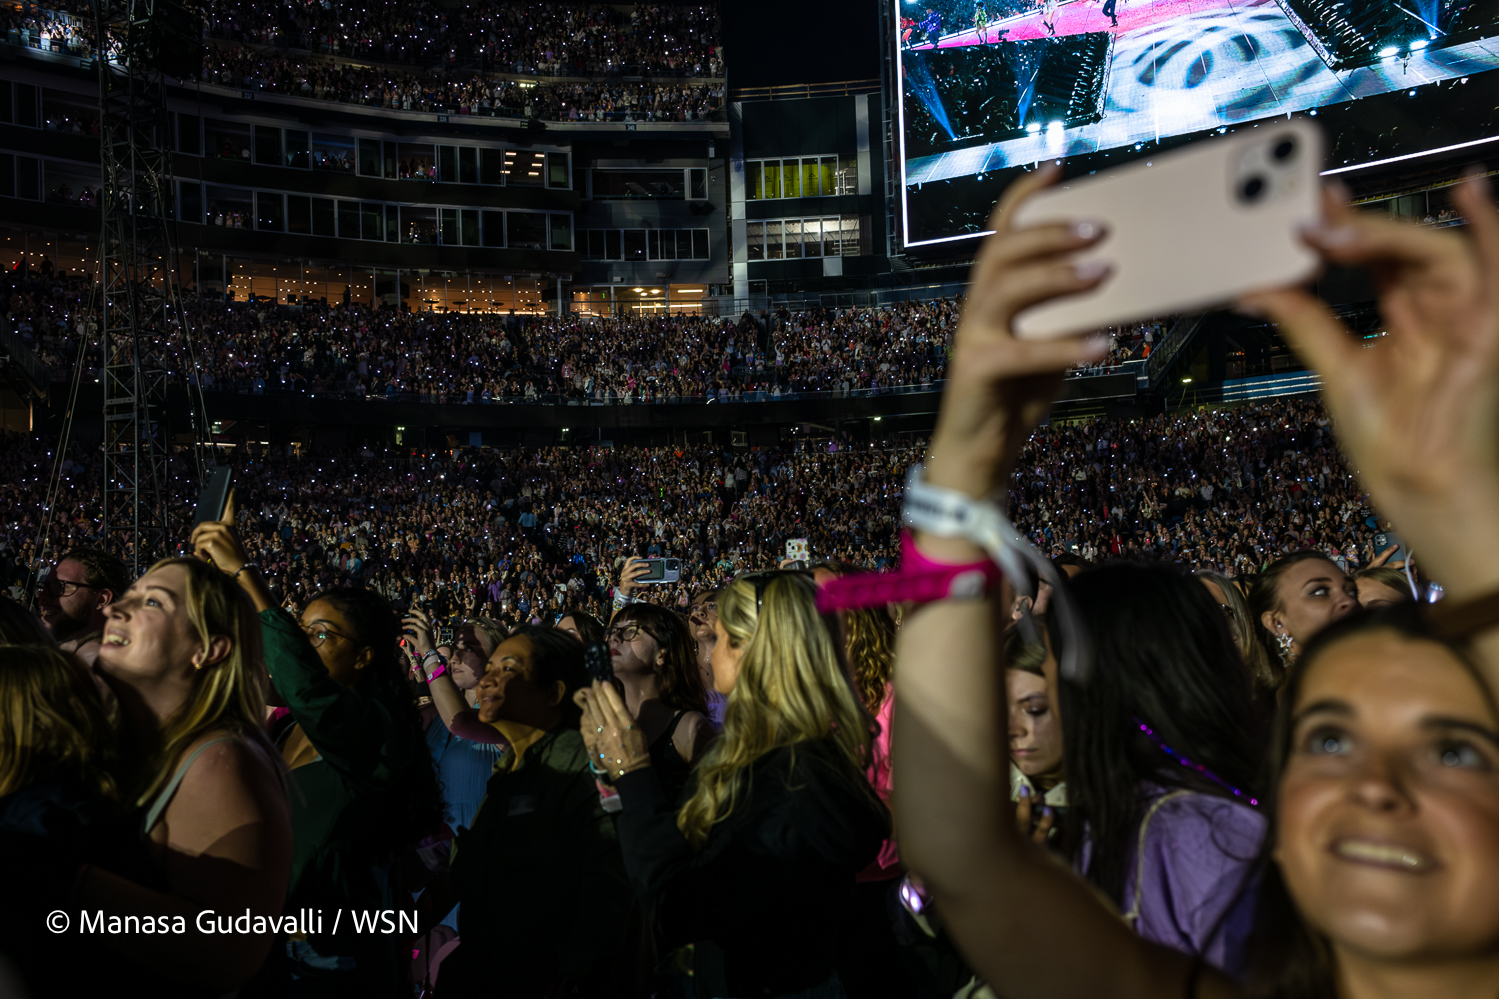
(62, 587)
(624, 633)
(318, 634)
(761, 578)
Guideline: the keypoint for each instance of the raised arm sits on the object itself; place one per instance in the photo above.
(1417, 412)
(462, 720)
(1003, 900)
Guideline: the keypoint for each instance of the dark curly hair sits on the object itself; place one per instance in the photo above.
(415, 796)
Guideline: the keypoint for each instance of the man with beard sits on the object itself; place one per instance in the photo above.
(73, 596)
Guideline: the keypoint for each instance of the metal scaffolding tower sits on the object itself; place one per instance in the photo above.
(144, 333)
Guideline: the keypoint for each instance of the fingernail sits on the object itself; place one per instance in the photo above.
(1046, 810)
(1090, 270)
(1331, 236)
(1025, 792)
(1087, 230)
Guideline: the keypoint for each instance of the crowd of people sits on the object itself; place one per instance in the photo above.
(458, 91)
(533, 39)
(1191, 744)
(428, 57)
(352, 350)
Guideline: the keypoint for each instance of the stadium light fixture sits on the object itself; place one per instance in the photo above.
(1389, 51)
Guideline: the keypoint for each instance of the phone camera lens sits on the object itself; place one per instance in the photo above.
(1284, 150)
(1252, 190)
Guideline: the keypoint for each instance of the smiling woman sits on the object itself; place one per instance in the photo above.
(181, 650)
(1385, 829)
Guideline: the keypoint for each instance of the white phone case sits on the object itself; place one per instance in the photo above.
(1189, 229)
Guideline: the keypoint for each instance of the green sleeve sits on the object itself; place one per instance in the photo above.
(350, 732)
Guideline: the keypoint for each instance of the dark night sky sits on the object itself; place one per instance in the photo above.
(777, 42)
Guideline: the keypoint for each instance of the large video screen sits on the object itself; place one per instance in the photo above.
(988, 87)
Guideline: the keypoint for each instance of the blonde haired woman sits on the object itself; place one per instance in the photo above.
(181, 651)
(757, 867)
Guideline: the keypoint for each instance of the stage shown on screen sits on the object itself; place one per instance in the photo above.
(988, 86)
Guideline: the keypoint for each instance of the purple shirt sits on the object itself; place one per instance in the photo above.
(1200, 851)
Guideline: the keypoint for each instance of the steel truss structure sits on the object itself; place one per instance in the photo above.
(145, 336)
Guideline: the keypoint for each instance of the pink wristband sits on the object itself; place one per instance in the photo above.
(920, 580)
(442, 668)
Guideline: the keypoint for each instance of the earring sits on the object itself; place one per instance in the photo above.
(1286, 641)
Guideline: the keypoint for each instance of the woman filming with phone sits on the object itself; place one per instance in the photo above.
(756, 866)
(361, 784)
(1383, 802)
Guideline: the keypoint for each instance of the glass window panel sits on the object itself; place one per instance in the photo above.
(228, 140)
(653, 244)
(811, 237)
(850, 243)
(299, 214)
(491, 166)
(332, 152)
(372, 220)
(754, 241)
(791, 176)
(267, 146)
(370, 164)
(449, 218)
(524, 168)
(322, 217)
(416, 161)
(848, 175)
(752, 180)
(468, 165)
(638, 185)
(527, 230)
(298, 149)
(684, 244)
(562, 232)
(447, 164)
(189, 132)
(192, 197)
(772, 179)
(613, 245)
(418, 225)
(470, 226)
(811, 180)
(827, 175)
(392, 224)
(634, 244)
(556, 170)
(700, 244)
(698, 183)
(793, 233)
(594, 250)
(772, 241)
(494, 228)
(348, 220)
(226, 206)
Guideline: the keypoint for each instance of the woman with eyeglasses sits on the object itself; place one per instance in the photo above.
(652, 657)
(360, 779)
(756, 865)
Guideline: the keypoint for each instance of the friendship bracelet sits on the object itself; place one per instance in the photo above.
(948, 513)
(247, 565)
(920, 580)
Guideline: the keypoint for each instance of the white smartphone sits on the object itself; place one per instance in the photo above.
(1187, 230)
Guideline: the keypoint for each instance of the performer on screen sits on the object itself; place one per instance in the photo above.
(1110, 11)
(1049, 16)
(931, 26)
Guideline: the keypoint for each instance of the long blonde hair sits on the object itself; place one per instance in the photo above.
(52, 725)
(792, 688)
(227, 695)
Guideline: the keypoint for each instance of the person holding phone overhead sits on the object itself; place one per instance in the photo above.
(361, 784)
(1383, 802)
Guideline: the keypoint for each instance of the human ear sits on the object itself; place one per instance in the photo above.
(364, 658)
(559, 692)
(217, 650)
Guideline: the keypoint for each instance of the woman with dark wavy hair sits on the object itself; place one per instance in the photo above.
(361, 783)
(655, 661)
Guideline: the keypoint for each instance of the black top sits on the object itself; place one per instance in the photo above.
(541, 882)
(671, 770)
(764, 897)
